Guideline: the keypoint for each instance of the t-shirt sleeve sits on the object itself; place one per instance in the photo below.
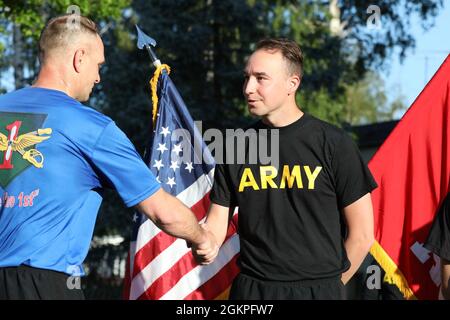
(118, 161)
(438, 240)
(221, 192)
(352, 176)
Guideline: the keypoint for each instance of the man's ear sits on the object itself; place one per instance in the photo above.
(78, 59)
(293, 83)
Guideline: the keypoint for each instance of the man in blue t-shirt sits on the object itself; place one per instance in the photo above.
(55, 157)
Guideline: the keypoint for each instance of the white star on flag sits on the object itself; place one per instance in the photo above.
(165, 131)
(171, 182)
(157, 179)
(174, 165)
(162, 147)
(158, 164)
(189, 166)
(135, 217)
(177, 149)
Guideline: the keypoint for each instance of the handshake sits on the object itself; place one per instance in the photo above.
(205, 251)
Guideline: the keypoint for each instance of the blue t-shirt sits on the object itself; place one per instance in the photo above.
(55, 157)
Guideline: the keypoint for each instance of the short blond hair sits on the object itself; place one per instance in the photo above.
(61, 30)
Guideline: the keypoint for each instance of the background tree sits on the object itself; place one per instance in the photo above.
(22, 20)
(366, 102)
(339, 46)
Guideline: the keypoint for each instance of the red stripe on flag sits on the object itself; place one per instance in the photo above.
(217, 284)
(201, 207)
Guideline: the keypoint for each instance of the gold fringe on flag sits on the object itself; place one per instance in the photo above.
(153, 86)
(224, 295)
(393, 275)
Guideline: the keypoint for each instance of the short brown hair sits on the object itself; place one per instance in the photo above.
(59, 31)
(289, 49)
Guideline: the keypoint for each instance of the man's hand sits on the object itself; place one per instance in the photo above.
(359, 219)
(207, 251)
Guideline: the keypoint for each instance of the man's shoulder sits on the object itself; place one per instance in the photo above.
(48, 101)
(325, 125)
(86, 111)
(327, 129)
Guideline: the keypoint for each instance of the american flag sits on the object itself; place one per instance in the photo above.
(161, 266)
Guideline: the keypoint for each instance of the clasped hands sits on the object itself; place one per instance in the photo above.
(205, 252)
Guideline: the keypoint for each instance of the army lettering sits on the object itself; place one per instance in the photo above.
(290, 178)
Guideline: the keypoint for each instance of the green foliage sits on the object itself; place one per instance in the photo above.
(322, 105)
(375, 47)
(362, 102)
(31, 15)
(365, 102)
(25, 19)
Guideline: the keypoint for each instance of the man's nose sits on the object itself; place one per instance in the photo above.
(249, 86)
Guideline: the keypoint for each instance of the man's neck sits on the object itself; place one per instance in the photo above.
(50, 79)
(283, 117)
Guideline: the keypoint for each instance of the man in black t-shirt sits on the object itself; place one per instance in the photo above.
(291, 214)
(439, 243)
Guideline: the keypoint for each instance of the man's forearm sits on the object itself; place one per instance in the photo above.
(217, 222)
(173, 217)
(181, 223)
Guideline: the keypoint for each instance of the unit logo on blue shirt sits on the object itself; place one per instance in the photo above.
(19, 135)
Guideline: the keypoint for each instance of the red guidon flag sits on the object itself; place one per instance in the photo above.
(412, 169)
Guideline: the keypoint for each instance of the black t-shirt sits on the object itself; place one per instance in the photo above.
(438, 240)
(290, 218)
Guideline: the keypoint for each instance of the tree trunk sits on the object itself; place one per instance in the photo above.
(18, 58)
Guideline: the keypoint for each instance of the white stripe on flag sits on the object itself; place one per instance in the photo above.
(201, 274)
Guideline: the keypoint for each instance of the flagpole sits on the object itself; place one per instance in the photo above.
(156, 62)
(145, 41)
